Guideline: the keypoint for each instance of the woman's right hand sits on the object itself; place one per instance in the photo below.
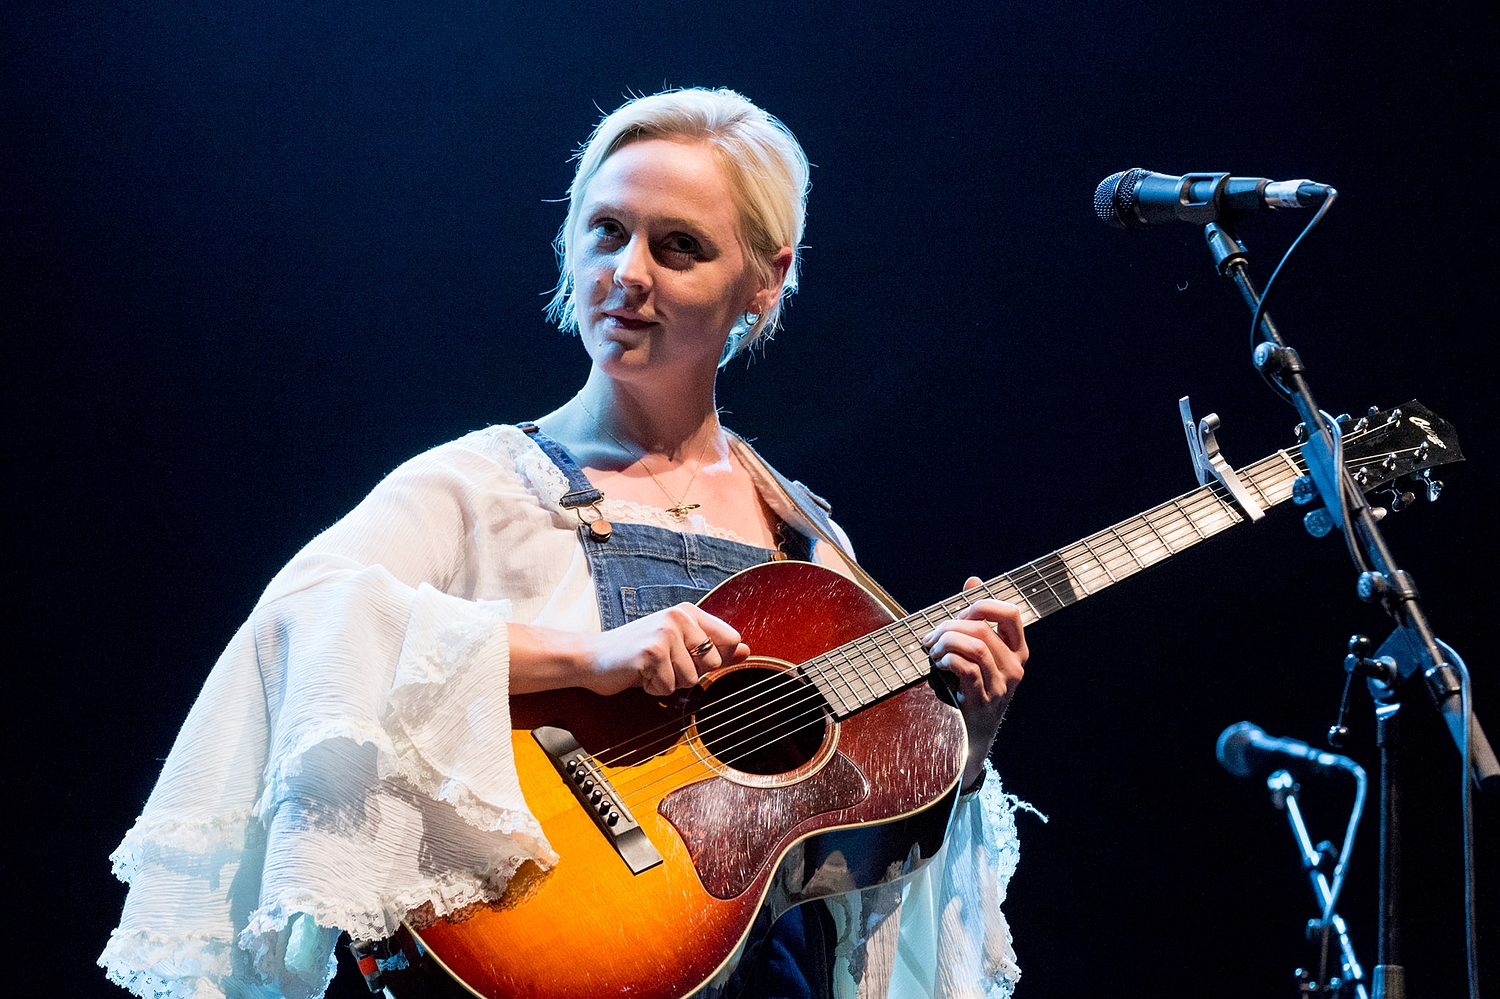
(654, 652)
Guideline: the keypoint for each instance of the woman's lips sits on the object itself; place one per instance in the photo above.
(629, 322)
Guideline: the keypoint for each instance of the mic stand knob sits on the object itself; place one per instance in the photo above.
(1381, 673)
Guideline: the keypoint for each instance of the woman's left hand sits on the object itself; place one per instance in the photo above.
(985, 648)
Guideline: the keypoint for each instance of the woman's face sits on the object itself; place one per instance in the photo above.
(659, 271)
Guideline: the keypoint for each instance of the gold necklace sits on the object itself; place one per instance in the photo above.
(680, 507)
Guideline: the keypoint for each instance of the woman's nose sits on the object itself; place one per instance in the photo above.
(633, 265)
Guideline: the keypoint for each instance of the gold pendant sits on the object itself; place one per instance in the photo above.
(680, 511)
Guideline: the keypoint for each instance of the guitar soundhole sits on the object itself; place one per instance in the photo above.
(761, 721)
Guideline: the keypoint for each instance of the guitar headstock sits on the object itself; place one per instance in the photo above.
(1386, 444)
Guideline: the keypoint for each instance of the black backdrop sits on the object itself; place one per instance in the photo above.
(258, 254)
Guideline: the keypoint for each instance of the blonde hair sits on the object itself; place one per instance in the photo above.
(768, 173)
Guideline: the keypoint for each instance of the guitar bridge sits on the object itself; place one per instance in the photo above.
(595, 793)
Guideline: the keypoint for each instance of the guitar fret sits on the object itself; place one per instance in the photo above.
(1026, 582)
(1273, 482)
(1159, 537)
(1296, 471)
(1101, 562)
(1249, 477)
(1227, 514)
(1201, 535)
(863, 664)
(1126, 545)
(1120, 563)
(867, 668)
(830, 670)
(1025, 603)
(860, 675)
(1076, 575)
(889, 672)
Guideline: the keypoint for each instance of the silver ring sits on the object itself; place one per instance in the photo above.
(702, 648)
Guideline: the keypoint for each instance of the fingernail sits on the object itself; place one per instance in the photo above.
(929, 638)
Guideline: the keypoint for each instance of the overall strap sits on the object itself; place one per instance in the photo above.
(815, 509)
(581, 492)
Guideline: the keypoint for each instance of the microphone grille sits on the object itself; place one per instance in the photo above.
(1233, 742)
(1114, 198)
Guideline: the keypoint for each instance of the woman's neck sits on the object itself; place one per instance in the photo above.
(610, 424)
(675, 423)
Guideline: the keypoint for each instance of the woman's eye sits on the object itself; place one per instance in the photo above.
(608, 229)
(682, 243)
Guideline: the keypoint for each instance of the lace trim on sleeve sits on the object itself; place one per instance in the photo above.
(170, 842)
(997, 851)
(448, 715)
(158, 966)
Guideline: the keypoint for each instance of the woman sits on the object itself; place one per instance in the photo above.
(348, 763)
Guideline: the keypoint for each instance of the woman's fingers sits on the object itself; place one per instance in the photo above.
(680, 644)
(969, 656)
(984, 646)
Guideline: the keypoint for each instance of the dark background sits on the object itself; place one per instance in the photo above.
(256, 255)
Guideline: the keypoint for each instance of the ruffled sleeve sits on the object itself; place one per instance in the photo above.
(940, 933)
(348, 760)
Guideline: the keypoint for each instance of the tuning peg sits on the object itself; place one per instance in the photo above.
(1401, 500)
(1304, 490)
(1318, 522)
(1434, 486)
(1372, 412)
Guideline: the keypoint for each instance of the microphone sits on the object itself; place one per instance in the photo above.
(1134, 199)
(1244, 750)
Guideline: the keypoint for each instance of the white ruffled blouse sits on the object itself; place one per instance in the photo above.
(349, 758)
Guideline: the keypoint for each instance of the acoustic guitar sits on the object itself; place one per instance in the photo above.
(827, 763)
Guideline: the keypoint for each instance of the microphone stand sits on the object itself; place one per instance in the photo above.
(1380, 580)
(1284, 796)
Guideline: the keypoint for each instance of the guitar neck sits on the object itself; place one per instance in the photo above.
(892, 659)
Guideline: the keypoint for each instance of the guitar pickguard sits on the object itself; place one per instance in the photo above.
(729, 855)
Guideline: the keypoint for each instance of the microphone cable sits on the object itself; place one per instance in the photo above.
(1260, 310)
(1466, 705)
(1346, 519)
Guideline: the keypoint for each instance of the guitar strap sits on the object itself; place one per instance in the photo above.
(814, 510)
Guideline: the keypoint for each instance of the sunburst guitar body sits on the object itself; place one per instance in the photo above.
(751, 792)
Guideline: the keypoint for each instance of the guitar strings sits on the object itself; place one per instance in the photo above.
(809, 696)
(1172, 532)
(1114, 551)
(873, 642)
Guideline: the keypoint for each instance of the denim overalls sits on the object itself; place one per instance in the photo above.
(641, 569)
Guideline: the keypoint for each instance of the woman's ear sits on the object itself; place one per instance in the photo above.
(766, 298)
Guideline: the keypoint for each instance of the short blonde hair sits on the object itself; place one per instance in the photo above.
(768, 173)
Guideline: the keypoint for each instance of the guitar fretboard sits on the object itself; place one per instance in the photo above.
(892, 659)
